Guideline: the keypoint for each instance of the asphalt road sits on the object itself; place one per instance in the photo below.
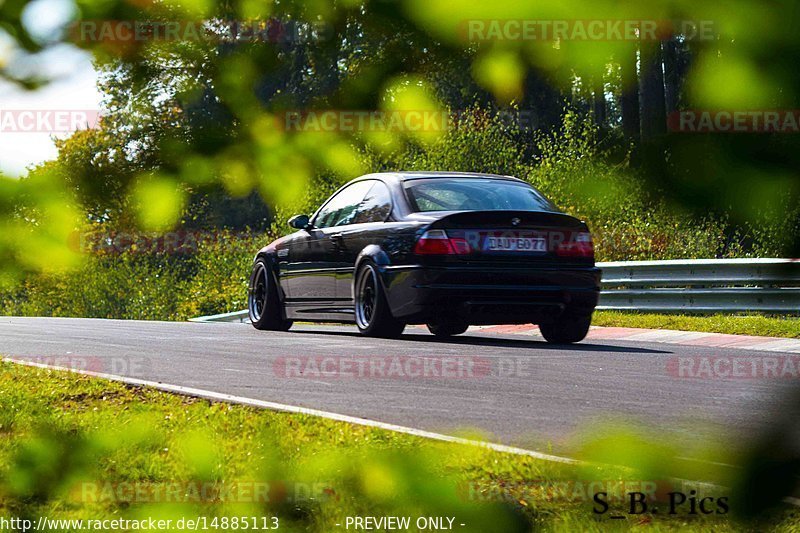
(515, 390)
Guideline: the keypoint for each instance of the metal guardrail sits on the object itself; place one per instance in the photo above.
(698, 286)
(702, 286)
(236, 316)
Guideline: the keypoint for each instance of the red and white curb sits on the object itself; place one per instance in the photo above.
(685, 338)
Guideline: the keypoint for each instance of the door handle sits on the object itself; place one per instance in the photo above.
(336, 238)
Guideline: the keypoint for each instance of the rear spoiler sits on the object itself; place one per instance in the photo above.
(508, 219)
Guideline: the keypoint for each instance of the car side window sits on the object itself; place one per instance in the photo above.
(376, 205)
(341, 209)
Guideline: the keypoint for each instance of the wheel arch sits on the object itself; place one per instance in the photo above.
(378, 256)
(271, 261)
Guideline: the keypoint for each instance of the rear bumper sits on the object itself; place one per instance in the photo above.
(490, 295)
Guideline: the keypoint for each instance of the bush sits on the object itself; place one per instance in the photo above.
(145, 286)
(123, 287)
(222, 274)
(629, 223)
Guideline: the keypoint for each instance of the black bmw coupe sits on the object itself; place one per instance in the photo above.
(445, 249)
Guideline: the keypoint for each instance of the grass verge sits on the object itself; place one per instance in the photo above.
(79, 448)
(736, 325)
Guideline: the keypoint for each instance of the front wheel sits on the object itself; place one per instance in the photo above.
(263, 303)
(566, 330)
(373, 316)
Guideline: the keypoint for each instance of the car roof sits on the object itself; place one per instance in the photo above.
(415, 175)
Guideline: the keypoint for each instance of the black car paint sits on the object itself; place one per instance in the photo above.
(315, 267)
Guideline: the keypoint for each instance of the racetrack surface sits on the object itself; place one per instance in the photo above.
(514, 389)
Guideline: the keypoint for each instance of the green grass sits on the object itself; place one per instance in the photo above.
(736, 325)
(69, 444)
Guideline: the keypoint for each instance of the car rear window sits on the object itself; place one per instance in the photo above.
(474, 194)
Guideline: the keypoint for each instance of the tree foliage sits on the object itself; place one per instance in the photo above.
(189, 116)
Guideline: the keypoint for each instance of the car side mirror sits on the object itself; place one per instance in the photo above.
(299, 222)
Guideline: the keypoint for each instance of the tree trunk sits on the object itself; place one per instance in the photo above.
(654, 110)
(629, 101)
(672, 75)
(599, 100)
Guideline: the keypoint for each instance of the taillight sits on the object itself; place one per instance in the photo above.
(437, 242)
(580, 245)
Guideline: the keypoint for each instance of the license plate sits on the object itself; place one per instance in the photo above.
(516, 244)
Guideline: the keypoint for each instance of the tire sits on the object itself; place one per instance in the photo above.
(263, 302)
(448, 329)
(566, 330)
(372, 313)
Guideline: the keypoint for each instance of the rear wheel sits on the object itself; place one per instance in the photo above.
(263, 303)
(566, 330)
(373, 316)
(448, 329)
